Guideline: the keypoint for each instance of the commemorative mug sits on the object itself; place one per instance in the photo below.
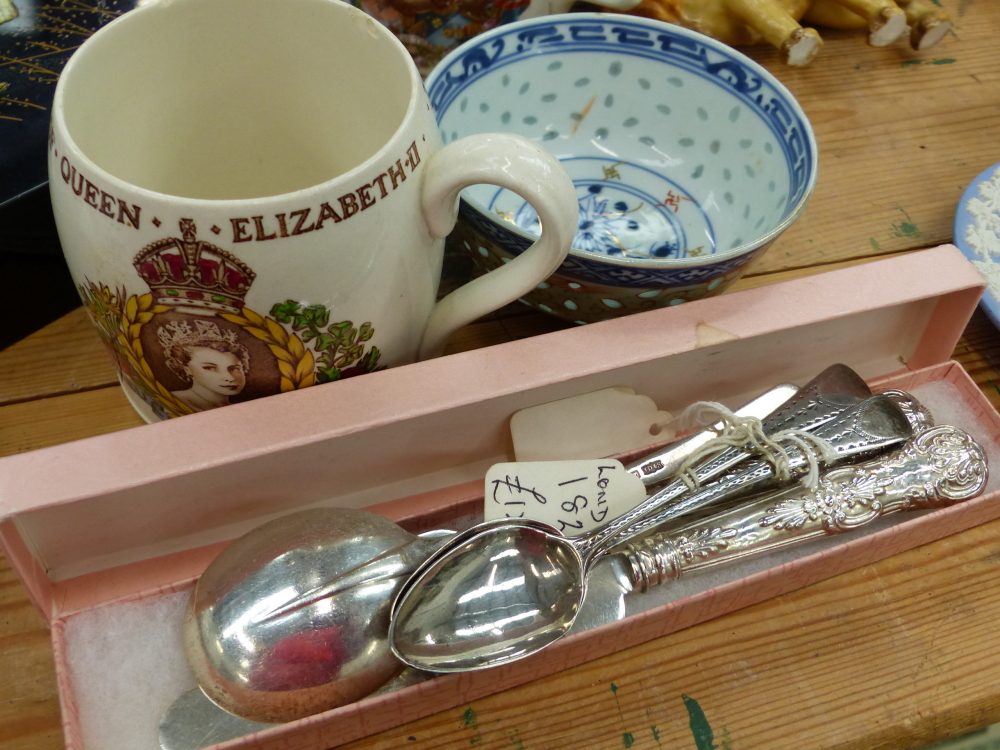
(252, 198)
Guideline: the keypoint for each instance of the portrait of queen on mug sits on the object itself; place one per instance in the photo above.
(214, 363)
(191, 343)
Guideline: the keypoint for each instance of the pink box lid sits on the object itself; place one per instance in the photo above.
(139, 494)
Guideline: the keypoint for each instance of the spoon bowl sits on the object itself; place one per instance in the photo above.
(509, 590)
(273, 618)
(522, 583)
(291, 618)
(834, 390)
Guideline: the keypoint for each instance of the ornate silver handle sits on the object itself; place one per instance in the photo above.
(940, 466)
(875, 425)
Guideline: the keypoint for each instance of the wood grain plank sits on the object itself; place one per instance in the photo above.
(64, 357)
(50, 421)
(29, 707)
(499, 330)
(978, 351)
(900, 139)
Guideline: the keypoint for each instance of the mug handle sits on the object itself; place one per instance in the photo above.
(523, 167)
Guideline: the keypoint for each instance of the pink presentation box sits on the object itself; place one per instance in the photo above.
(140, 512)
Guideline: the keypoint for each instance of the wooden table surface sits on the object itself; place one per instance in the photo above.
(893, 655)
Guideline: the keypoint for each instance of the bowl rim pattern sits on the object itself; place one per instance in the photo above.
(696, 53)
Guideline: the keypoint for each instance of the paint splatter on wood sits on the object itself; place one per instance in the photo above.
(471, 721)
(628, 739)
(704, 738)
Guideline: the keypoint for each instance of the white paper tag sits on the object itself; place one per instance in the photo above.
(600, 423)
(572, 496)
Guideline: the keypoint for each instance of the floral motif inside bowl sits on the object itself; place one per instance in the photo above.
(688, 157)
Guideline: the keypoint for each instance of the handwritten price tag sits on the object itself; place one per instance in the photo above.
(571, 496)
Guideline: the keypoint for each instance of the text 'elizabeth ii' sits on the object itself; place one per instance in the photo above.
(310, 219)
(258, 228)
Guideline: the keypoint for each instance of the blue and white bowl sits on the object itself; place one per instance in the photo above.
(689, 158)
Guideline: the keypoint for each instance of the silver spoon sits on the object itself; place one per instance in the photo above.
(823, 398)
(317, 584)
(513, 588)
(194, 721)
(291, 618)
(938, 467)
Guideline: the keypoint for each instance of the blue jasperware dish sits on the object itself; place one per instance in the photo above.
(688, 157)
(977, 234)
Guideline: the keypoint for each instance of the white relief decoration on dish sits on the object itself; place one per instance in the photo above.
(983, 235)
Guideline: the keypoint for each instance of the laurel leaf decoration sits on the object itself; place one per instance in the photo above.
(295, 362)
(308, 348)
(283, 355)
(261, 333)
(252, 317)
(287, 370)
(295, 347)
(138, 311)
(305, 366)
(280, 337)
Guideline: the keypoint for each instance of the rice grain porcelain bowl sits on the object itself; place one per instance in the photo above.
(688, 157)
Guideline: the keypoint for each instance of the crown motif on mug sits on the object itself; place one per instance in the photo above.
(191, 272)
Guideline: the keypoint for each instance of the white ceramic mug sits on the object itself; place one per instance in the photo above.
(252, 195)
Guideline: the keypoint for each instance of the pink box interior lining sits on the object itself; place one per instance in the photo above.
(703, 596)
(102, 532)
(192, 482)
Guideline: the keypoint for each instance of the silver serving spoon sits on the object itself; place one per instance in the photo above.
(938, 467)
(292, 618)
(507, 590)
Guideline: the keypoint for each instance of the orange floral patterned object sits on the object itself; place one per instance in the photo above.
(740, 22)
(429, 29)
